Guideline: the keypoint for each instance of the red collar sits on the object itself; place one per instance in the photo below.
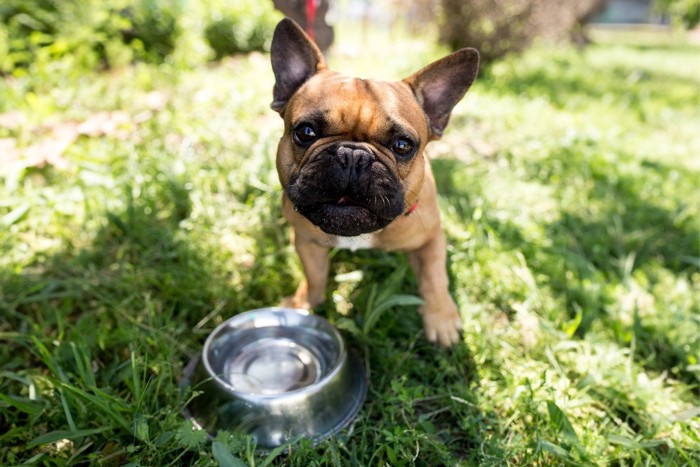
(412, 208)
(310, 18)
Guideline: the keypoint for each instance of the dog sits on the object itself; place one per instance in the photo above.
(354, 173)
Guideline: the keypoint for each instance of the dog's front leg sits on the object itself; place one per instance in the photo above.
(441, 320)
(315, 262)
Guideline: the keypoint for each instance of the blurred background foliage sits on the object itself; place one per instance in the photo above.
(103, 34)
(501, 27)
(683, 13)
(97, 34)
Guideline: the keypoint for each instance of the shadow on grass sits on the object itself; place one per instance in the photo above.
(617, 232)
(109, 327)
(628, 235)
(433, 396)
(423, 400)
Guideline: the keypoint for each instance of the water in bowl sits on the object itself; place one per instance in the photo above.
(269, 361)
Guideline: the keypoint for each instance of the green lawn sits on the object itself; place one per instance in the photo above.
(570, 189)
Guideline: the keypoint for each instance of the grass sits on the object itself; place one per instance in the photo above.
(569, 191)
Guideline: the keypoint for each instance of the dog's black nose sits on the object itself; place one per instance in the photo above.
(354, 159)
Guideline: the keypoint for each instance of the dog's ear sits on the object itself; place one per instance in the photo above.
(295, 58)
(439, 86)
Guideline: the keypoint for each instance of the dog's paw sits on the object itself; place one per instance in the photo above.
(442, 326)
(295, 302)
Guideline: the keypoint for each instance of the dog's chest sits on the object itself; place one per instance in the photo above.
(355, 243)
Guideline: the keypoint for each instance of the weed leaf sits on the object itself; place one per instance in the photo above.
(554, 449)
(188, 436)
(163, 438)
(630, 443)
(224, 456)
(561, 422)
(348, 325)
(140, 428)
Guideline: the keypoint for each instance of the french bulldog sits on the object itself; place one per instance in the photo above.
(354, 173)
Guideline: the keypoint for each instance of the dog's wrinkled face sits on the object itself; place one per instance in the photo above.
(351, 158)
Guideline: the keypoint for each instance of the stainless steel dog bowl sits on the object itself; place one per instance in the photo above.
(277, 374)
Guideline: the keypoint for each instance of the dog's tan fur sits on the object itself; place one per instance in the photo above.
(363, 111)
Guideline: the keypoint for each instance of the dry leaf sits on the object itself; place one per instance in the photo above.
(13, 119)
(104, 123)
(50, 149)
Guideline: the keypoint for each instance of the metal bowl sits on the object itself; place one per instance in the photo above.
(276, 374)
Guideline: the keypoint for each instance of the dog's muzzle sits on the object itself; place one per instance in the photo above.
(346, 190)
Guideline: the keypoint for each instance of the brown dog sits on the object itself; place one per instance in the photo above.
(352, 166)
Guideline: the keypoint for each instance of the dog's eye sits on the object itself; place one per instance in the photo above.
(304, 134)
(402, 147)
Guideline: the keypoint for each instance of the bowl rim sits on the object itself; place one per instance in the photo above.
(341, 359)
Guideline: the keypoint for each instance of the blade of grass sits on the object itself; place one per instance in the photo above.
(48, 359)
(104, 402)
(23, 405)
(66, 411)
(58, 435)
(374, 314)
(83, 365)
